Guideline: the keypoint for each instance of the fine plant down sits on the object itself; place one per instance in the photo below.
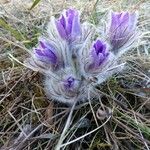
(75, 75)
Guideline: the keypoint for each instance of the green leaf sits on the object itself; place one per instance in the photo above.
(14, 32)
(35, 3)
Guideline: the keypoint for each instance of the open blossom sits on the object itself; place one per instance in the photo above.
(122, 30)
(68, 25)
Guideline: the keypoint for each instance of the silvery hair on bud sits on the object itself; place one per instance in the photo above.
(73, 61)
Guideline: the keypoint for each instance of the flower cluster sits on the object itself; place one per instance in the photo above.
(73, 61)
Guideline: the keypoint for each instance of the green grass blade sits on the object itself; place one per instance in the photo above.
(35, 3)
(14, 32)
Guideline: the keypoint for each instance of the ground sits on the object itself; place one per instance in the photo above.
(119, 120)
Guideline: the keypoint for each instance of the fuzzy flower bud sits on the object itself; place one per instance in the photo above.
(64, 87)
(46, 52)
(68, 25)
(122, 31)
(99, 55)
(45, 57)
(69, 83)
(73, 62)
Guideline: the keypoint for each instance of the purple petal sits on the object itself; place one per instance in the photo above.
(42, 44)
(73, 27)
(63, 21)
(69, 83)
(99, 47)
(70, 14)
(51, 55)
(39, 52)
(61, 30)
(119, 22)
(132, 21)
(99, 54)
(114, 21)
(76, 27)
(121, 29)
(68, 25)
(46, 52)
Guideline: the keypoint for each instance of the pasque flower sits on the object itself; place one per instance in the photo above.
(99, 55)
(68, 25)
(69, 82)
(122, 30)
(46, 52)
(72, 61)
(64, 87)
(45, 57)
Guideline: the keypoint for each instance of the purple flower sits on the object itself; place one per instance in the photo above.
(99, 55)
(69, 83)
(122, 30)
(46, 52)
(68, 25)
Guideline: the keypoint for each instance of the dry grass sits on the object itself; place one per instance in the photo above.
(120, 120)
